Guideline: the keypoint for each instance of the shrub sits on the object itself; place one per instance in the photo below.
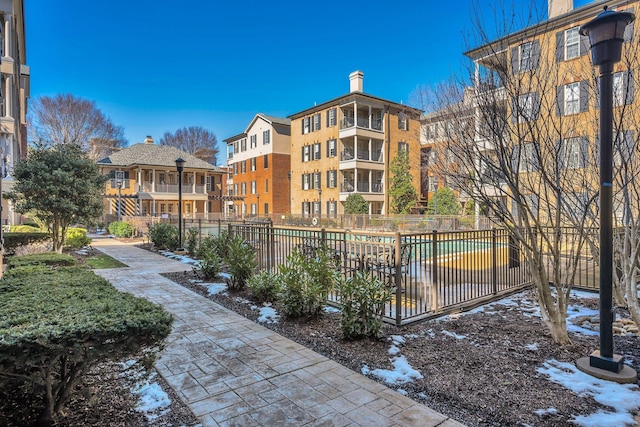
(164, 236)
(241, 260)
(32, 223)
(12, 241)
(306, 282)
(47, 258)
(264, 286)
(121, 229)
(209, 267)
(363, 298)
(24, 228)
(192, 240)
(77, 238)
(219, 244)
(57, 324)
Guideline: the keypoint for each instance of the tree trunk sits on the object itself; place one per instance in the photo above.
(553, 312)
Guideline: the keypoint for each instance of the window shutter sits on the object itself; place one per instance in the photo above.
(515, 60)
(584, 151)
(514, 110)
(515, 159)
(628, 87)
(628, 31)
(535, 54)
(584, 96)
(536, 105)
(560, 46)
(584, 44)
(560, 100)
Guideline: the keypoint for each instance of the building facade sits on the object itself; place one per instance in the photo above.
(144, 182)
(14, 85)
(345, 146)
(259, 165)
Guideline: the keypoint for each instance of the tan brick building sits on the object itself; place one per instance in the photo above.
(345, 146)
(259, 165)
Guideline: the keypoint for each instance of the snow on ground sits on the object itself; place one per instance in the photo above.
(215, 288)
(267, 313)
(152, 400)
(330, 309)
(454, 335)
(402, 372)
(622, 398)
(532, 347)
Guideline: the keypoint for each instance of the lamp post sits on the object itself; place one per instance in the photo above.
(606, 35)
(180, 168)
(119, 185)
(320, 207)
(258, 205)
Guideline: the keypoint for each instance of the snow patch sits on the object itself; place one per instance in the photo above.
(401, 373)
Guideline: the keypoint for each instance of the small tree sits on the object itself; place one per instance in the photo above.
(194, 140)
(59, 185)
(356, 205)
(443, 202)
(403, 194)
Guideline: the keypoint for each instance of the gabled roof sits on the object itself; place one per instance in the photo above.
(155, 155)
(270, 119)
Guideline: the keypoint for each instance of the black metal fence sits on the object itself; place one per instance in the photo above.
(433, 273)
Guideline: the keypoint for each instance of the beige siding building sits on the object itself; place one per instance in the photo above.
(345, 146)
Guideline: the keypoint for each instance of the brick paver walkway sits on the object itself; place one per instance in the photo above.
(234, 372)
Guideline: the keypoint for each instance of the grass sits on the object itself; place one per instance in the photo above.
(104, 261)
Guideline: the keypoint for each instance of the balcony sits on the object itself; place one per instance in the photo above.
(147, 187)
(361, 186)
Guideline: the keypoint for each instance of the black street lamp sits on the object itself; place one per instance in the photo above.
(258, 205)
(606, 35)
(119, 185)
(180, 168)
(320, 207)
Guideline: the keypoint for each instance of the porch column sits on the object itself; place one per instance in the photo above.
(193, 185)
(7, 35)
(153, 188)
(8, 109)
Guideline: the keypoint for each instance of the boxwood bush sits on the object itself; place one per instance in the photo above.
(57, 323)
(76, 238)
(121, 229)
(13, 241)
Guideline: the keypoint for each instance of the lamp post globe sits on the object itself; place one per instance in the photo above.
(606, 36)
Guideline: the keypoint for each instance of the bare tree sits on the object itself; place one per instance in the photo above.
(194, 140)
(66, 119)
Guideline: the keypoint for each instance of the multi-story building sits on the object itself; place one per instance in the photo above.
(14, 87)
(144, 181)
(345, 146)
(259, 166)
(542, 80)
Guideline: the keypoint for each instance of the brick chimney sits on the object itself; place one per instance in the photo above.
(355, 81)
(559, 7)
(148, 140)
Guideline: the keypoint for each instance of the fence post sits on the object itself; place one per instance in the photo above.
(199, 229)
(434, 269)
(272, 246)
(397, 262)
(323, 237)
(494, 261)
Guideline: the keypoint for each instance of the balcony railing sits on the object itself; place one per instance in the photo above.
(362, 187)
(362, 121)
(147, 187)
(347, 187)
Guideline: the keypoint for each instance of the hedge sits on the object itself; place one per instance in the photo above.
(12, 241)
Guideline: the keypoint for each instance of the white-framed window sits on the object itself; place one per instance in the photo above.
(317, 180)
(266, 137)
(526, 107)
(623, 147)
(403, 121)
(266, 185)
(253, 187)
(572, 43)
(316, 121)
(306, 208)
(332, 148)
(266, 161)
(243, 166)
(526, 157)
(525, 56)
(243, 188)
(316, 208)
(332, 208)
(253, 141)
(572, 98)
(253, 209)
(306, 181)
(332, 179)
(432, 130)
(316, 151)
(306, 125)
(253, 164)
(210, 182)
(403, 146)
(332, 117)
(306, 153)
(235, 190)
(243, 144)
(433, 184)
(572, 153)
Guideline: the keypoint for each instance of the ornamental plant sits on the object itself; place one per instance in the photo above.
(241, 260)
(264, 286)
(120, 229)
(163, 236)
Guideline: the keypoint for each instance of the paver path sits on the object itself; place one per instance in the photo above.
(234, 372)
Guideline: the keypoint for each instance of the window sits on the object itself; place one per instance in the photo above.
(572, 43)
(525, 56)
(527, 107)
(235, 148)
(403, 146)
(266, 185)
(235, 189)
(306, 153)
(253, 209)
(163, 208)
(306, 181)
(317, 184)
(572, 98)
(316, 122)
(235, 168)
(332, 179)
(266, 137)
(377, 120)
(525, 158)
(623, 88)
(316, 208)
(210, 182)
(253, 164)
(229, 152)
(243, 188)
(332, 208)
(623, 147)
(243, 167)
(243, 144)
(316, 151)
(306, 125)
(266, 161)
(573, 153)
(266, 208)
(253, 187)
(332, 118)
(331, 148)
(170, 207)
(403, 121)
(432, 131)
(433, 184)
(306, 208)
(254, 141)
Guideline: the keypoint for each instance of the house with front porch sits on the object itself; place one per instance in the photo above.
(143, 181)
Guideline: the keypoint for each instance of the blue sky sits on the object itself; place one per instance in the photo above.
(156, 66)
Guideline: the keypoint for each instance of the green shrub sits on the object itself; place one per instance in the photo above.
(209, 267)
(32, 223)
(47, 258)
(58, 324)
(306, 282)
(192, 240)
(13, 241)
(164, 236)
(264, 286)
(363, 298)
(25, 229)
(77, 238)
(241, 260)
(121, 229)
(219, 244)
